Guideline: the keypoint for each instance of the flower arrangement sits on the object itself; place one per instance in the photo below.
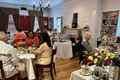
(100, 57)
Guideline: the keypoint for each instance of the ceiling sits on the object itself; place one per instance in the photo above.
(31, 2)
(55, 2)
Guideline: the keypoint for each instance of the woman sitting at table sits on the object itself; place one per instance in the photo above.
(43, 53)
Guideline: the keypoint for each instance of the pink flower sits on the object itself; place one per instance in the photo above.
(96, 54)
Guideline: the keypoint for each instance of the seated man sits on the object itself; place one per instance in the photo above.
(7, 56)
(86, 43)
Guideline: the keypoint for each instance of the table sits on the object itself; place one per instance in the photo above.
(75, 75)
(28, 63)
(64, 49)
(113, 75)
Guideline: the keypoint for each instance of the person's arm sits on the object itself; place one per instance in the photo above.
(41, 49)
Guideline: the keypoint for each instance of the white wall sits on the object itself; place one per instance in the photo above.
(55, 2)
(98, 19)
(89, 13)
(84, 8)
(111, 5)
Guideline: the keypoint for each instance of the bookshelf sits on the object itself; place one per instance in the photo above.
(109, 23)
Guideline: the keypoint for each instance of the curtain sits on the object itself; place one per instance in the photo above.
(11, 25)
(24, 23)
(40, 19)
(3, 20)
(24, 20)
(16, 20)
(15, 13)
(32, 19)
(46, 22)
(32, 22)
(40, 23)
(36, 25)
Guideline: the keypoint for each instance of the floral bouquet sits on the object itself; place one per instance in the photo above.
(100, 57)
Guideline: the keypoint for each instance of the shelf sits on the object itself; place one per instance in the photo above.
(109, 25)
(109, 22)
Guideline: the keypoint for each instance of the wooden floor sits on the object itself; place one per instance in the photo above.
(64, 67)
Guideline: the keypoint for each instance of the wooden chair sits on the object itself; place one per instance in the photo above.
(3, 77)
(51, 66)
(53, 62)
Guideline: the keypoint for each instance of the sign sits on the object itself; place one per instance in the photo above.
(71, 31)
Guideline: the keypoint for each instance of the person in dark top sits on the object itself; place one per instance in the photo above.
(118, 40)
(98, 42)
(73, 46)
(80, 47)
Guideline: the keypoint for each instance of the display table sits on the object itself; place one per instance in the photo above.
(28, 64)
(64, 49)
(77, 76)
(112, 71)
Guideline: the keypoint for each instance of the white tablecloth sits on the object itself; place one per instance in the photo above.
(76, 76)
(64, 49)
(28, 63)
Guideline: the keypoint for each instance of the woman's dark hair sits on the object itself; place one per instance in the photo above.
(19, 30)
(118, 39)
(45, 38)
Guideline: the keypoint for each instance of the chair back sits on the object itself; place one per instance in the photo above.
(2, 71)
(53, 53)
